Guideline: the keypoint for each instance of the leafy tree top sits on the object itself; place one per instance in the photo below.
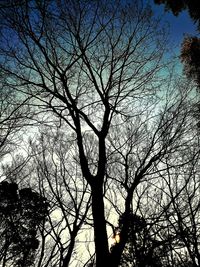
(21, 213)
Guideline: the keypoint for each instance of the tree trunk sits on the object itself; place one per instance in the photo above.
(67, 258)
(116, 253)
(100, 233)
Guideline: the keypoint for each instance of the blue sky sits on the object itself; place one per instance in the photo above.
(179, 26)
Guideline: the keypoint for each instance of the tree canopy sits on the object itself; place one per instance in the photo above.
(21, 214)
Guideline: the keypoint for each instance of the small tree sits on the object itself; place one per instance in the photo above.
(21, 212)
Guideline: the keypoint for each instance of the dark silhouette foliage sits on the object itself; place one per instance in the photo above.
(21, 213)
(142, 249)
(190, 56)
(178, 6)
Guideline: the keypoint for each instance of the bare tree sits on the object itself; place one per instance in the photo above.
(52, 168)
(60, 180)
(96, 67)
(12, 119)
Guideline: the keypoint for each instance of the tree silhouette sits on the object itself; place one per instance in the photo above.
(142, 249)
(190, 56)
(21, 212)
(94, 70)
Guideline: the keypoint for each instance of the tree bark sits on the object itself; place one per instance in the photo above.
(100, 233)
(67, 258)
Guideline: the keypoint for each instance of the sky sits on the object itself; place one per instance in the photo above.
(179, 26)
